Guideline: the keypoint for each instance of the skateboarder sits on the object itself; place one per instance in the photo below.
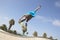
(29, 15)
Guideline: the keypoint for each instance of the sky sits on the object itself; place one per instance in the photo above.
(47, 19)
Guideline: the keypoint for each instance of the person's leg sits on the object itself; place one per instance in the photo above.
(26, 24)
(27, 19)
(23, 18)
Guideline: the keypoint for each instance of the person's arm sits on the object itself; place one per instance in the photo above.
(37, 8)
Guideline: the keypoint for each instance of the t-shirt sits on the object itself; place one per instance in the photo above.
(32, 13)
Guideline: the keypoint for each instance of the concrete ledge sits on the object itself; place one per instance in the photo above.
(7, 36)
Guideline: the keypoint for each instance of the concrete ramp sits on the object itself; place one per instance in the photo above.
(7, 36)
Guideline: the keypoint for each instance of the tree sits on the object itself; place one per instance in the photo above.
(15, 32)
(44, 35)
(51, 38)
(10, 31)
(11, 22)
(3, 27)
(35, 34)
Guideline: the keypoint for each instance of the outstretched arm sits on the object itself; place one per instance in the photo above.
(37, 8)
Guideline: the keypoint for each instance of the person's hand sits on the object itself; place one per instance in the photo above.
(37, 8)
